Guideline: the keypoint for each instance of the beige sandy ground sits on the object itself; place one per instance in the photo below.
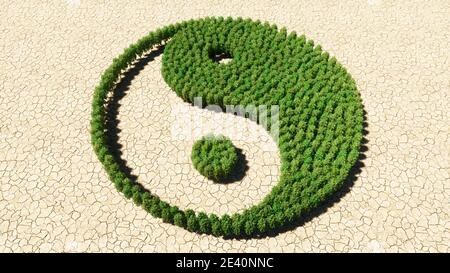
(54, 195)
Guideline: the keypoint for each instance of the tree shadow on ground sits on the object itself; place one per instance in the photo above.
(113, 105)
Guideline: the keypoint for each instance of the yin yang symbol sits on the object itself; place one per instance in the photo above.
(319, 121)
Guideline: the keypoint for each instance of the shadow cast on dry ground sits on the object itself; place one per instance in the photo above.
(239, 171)
(113, 105)
(112, 123)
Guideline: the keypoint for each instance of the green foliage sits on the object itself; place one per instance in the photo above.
(262, 225)
(320, 119)
(216, 228)
(192, 223)
(118, 182)
(127, 191)
(237, 223)
(155, 209)
(204, 223)
(250, 227)
(137, 194)
(137, 198)
(179, 220)
(226, 225)
(214, 157)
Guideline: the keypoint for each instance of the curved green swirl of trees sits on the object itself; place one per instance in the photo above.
(320, 114)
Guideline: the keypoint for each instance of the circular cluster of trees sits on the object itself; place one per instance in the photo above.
(214, 157)
(320, 119)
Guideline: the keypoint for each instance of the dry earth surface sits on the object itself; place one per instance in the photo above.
(55, 196)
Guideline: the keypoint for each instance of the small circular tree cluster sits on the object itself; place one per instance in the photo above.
(214, 157)
(320, 118)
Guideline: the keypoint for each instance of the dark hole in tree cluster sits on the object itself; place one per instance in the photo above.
(221, 57)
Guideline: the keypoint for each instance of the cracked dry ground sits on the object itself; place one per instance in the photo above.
(55, 195)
